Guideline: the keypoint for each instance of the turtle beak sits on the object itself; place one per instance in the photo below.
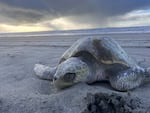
(60, 84)
(57, 83)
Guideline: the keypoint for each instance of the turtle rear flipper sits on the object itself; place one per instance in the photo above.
(128, 79)
(44, 72)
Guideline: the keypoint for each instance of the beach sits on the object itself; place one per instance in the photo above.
(22, 92)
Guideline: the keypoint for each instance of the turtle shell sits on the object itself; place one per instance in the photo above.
(104, 49)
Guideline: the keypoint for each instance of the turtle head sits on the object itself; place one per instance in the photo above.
(70, 72)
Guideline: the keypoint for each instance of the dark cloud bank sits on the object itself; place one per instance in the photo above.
(84, 11)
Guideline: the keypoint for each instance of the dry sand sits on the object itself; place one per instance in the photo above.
(22, 92)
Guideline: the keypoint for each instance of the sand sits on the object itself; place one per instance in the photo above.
(22, 92)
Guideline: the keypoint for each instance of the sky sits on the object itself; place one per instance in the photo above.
(44, 15)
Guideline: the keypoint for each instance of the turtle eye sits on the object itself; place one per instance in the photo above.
(69, 77)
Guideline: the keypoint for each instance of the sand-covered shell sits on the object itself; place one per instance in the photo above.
(104, 49)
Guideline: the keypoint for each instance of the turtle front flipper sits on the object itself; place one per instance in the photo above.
(128, 79)
(44, 72)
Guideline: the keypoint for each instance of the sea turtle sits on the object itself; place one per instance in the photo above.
(94, 59)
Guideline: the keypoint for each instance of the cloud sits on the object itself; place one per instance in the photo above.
(15, 15)
(70, 14)
(134, 18)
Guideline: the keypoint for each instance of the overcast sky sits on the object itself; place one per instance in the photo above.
(41, 15)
